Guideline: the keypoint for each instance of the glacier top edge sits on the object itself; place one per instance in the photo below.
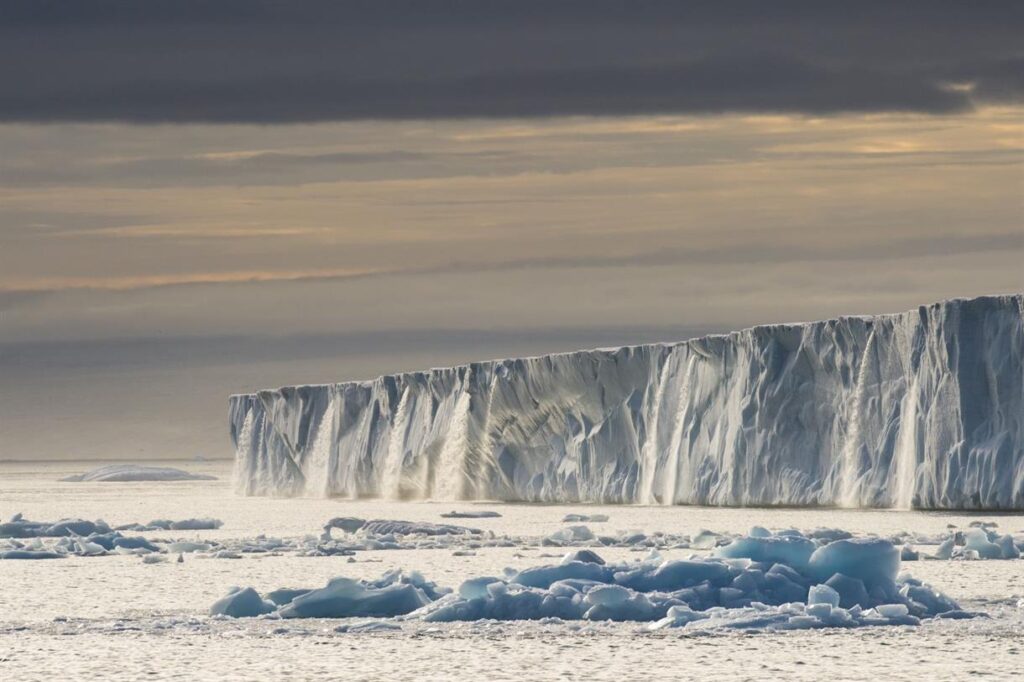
(755, 329)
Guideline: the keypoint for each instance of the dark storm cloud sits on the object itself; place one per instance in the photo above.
(234, 61)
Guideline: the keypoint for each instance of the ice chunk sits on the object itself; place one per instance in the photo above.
(76, 527)
(29, 554)
(945, 550)
(544, 576)
(790, 550)
(585, 518)
(820, 610)
(585, 555)
(977, 540)
(569, 535)
(871, 560)
(676, 575)
(17, 528)
(241, 603)
(677, 616)
(134, 543)
(705, 539)
(851, 591)
(476, 588)
(285, 595)
(394, 595)
(892, 610)
(121, 473)
(616, 603)
(86, 548)
(1007, 547)
(188, 524)
(823, 594)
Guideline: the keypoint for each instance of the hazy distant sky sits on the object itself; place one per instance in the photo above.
(199, 198)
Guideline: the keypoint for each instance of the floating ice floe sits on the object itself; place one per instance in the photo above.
(584, 518)
(122, 473)
(389, 527)
(24, 539)
(167, 524)
(483, 514)
(775, 582)
(19, 527)
(346, 536)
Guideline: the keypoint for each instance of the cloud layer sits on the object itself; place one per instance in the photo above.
(313, 60)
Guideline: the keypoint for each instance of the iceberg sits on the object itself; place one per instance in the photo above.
(125, 473)
(394, 594)
(242, 603)
(922, 409)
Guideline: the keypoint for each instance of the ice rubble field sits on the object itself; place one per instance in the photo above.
(396, 588)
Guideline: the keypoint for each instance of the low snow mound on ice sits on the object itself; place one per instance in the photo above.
(751, 583)
(125, 473)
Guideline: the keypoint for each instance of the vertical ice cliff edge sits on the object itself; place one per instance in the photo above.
(919, 409)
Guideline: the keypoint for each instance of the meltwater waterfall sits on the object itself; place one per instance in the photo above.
(923, 409)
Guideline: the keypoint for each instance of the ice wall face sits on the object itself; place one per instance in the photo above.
(919, 409)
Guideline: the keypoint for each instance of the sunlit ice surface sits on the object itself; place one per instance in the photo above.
(152, 619)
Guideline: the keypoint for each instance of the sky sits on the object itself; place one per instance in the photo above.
(204, 198)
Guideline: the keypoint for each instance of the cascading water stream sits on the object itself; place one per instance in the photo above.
(451, 476)
(906, 451)
(317, 467)
(852, 446)
(649, 452)
(391, 481)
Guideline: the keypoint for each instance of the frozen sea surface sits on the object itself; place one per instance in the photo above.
(115, 617)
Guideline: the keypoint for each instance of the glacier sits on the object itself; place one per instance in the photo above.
(922, 409)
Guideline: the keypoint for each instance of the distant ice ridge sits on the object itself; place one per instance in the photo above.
(921, 409)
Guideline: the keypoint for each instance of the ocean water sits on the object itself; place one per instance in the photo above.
(115, 617)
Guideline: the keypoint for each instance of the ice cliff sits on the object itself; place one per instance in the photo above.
(920, 409)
